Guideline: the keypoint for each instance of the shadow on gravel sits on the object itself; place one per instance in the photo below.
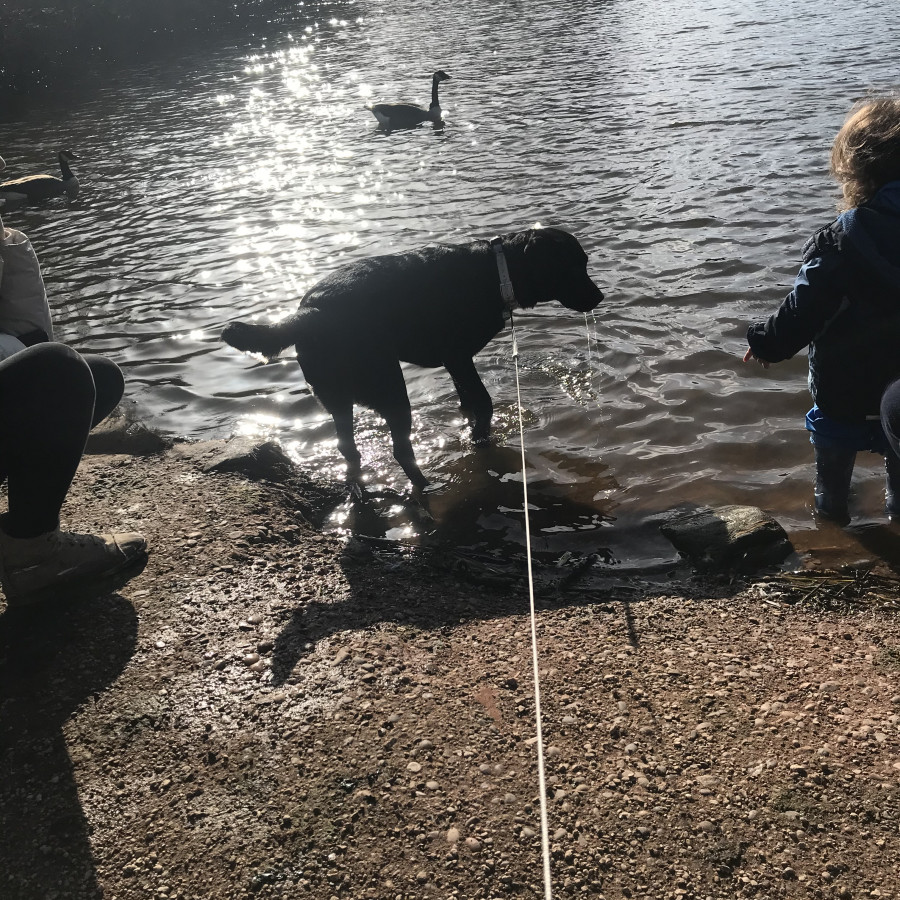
(438, 583)
(52, 661)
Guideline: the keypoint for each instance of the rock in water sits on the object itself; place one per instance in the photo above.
(728, 537)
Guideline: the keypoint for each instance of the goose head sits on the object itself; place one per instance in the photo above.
(70, 182)
(434, 108)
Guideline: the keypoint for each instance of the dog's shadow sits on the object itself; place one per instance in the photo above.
(482, 523)
(52, 661)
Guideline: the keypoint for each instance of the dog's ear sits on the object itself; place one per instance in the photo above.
(552, 243)
(541, 239)
(535, 240)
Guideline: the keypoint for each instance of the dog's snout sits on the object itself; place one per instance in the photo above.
(581, 295)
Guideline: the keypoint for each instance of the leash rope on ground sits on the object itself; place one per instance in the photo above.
(542, 780)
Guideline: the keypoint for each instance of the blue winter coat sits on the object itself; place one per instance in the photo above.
(845, 305)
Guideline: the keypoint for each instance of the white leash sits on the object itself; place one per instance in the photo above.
(506, 290)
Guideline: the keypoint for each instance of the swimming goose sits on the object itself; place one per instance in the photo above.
(32, 188)
(408, 115)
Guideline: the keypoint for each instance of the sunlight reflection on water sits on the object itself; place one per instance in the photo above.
(684, 145)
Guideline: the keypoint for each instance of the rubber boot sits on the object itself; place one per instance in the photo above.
(892, 486)
(834, 469)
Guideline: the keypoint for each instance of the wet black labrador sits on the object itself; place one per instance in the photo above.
(435, 306)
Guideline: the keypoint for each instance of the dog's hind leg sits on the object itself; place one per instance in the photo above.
(342, 413)
(400, 423)
(386, 394)
(474, 400)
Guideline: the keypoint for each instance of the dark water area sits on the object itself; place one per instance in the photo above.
(685, 144)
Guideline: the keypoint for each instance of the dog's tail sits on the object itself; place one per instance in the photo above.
(269, 340)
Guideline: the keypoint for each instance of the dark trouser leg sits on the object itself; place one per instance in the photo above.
(46, 410)
(834, 470)
(109, 385)
(890, 422)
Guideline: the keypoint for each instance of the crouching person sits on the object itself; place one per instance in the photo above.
(50, 398)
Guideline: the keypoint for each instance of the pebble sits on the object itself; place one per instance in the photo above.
(255, 619)
(473, 844)
(707, 826)
(432, 785)
(426, 745)
(251, 658)
(452, 835)
(414, 767)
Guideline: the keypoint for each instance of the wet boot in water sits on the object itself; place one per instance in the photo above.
(892, 486)
(834, 469)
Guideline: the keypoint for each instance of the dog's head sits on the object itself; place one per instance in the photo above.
(555, 268)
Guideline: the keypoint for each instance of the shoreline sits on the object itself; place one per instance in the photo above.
(315, 718)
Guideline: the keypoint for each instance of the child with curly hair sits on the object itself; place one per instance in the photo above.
(845, 305)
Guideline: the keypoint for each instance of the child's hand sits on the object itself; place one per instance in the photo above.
(751, 355)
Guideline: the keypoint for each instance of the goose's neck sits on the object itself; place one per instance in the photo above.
(434, 92)
(64, 167)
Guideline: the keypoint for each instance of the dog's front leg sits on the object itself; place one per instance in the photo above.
(474, 400)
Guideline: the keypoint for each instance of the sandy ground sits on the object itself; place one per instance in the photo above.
(266, 712)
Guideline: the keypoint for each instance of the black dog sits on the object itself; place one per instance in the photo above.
(436, 306)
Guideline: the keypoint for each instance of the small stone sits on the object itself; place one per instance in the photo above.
(255, 619)
(422, 876)
(707, 826)
(413, 767)
(452, 835)
(251, 658)
(473, 844)
(432, 785)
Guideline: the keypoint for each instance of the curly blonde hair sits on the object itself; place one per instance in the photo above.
(866, 151)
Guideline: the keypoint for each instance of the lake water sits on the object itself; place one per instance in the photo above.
(685, 144)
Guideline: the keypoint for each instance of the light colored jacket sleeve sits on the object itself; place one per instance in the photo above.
(23, 297)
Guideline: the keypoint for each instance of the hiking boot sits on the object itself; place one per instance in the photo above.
(834, 470)
(33, 570)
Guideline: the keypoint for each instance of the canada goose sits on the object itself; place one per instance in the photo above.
(32, 188)
(408, 115)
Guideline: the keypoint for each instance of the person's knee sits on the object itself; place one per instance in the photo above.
(109, 382)
(56, 366)
(890, 414)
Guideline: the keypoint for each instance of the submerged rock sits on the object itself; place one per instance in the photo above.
(122, 434)
(728, 537)
(259, 461)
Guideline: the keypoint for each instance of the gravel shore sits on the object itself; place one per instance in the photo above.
(267, 711)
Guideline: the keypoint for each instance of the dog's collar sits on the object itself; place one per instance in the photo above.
(506, 288)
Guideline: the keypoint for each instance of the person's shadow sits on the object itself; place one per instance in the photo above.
(51, 662)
